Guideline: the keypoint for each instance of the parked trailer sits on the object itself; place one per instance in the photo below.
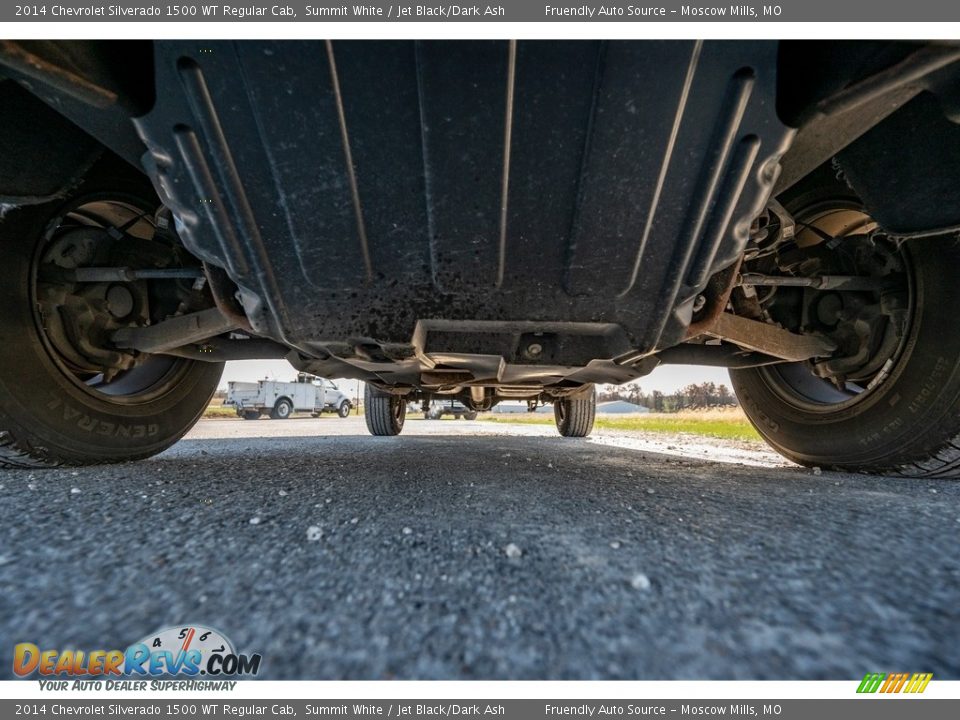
(280, 400)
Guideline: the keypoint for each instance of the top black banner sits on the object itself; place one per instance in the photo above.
(515, 11)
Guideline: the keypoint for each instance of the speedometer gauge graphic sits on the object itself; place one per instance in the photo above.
(196, 642)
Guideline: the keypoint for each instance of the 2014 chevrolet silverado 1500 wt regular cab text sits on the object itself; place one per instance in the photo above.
(482, 221)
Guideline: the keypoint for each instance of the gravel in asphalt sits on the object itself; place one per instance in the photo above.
(479, 550)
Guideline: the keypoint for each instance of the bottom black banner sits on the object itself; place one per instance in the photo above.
(874, 707)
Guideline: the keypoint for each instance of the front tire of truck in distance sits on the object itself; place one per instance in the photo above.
(384, 413)
(51, 413)
(282, 410)
(908, 423)
(575, 415)
(344, 409)
(471, 416)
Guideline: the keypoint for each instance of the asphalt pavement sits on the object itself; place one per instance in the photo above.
(480, 550)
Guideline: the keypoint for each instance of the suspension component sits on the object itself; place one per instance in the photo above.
(823, 282)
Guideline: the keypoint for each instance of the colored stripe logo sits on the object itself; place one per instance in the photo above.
(894, 682)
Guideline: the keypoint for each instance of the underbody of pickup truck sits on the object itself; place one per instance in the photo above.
(482, 221)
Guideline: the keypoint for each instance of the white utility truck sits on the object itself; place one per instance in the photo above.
(280, 400)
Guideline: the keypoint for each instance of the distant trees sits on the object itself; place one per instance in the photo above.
(695, 396)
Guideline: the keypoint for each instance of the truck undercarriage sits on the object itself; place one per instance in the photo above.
(487, 221)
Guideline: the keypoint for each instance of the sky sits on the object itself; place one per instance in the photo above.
(666, 379)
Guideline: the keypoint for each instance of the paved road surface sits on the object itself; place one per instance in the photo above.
(337, 555)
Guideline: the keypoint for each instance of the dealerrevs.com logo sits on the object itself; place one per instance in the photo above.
(187, 650)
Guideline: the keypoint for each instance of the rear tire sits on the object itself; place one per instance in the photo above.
(251, 415)
(282, 410)
(384, 413)
(471, 416)
(909, 423)
(574, 415)
(50, 414)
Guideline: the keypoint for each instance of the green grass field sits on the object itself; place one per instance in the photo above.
(216, 410)
(727, 424)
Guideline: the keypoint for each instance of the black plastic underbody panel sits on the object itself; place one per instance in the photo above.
(375, 194)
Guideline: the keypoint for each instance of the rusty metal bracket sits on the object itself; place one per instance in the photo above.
(175, 332)
(717, 292)
(769, 339)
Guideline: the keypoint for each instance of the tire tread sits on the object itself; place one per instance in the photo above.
(16, 454)
(580, 415)
(945, 467)
(378, 414)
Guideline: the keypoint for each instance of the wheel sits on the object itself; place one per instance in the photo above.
(574, 415)
(282, 410)
(344, 409)
(251, 415)
(426, 416)
(67, 397)
(457, 416)
(888, 400)
(384, 413)
(471, 416)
